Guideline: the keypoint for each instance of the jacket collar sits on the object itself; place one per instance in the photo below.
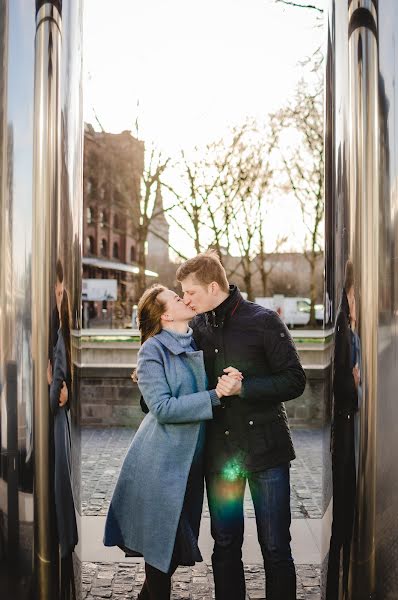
(170, 342)
(216, 317)
(344, 306)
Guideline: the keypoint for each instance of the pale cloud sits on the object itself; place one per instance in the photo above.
(196, 67)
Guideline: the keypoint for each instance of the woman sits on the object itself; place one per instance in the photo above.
(156, 506)
(64, 504)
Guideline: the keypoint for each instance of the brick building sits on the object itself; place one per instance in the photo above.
(113, 168)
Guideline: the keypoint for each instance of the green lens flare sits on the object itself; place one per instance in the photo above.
(233, 470)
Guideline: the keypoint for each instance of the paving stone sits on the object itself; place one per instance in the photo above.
(187, 584)
(103, 451)
(102, 456)
(102, 592)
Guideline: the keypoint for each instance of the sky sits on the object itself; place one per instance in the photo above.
(186, 70)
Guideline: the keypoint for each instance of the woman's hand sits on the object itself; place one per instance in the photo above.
(63, 396)
(219, 392)
(357, 375)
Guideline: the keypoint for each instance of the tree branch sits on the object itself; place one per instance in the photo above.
(310, 6)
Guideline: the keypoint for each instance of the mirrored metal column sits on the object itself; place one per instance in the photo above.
(46, 203)
(386, 534)
(17, 29)
(364, 252)
(353, 274)
(40, 254)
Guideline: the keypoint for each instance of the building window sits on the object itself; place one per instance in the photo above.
(116, 222)
(133, 254)
(90, 245)
(90, 215)
(115, 250)
(103, 218)
(104, 247)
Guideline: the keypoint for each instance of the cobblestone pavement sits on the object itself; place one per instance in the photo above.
(103, 451)
(116, 581)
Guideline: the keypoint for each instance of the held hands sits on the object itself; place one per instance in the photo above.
(49, 373)
(63, 397)
(357, 375)
(229, 384)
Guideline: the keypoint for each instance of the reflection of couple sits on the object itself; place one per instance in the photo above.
(59, 374)
(347, 396)
(232, 369)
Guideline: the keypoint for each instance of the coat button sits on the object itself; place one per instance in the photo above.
(216, 350)
(226, 432)
(251, 422)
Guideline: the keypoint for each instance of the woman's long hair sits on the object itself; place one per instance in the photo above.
(66, 320)
(149, 312)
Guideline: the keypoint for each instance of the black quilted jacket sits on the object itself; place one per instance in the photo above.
(249, 432)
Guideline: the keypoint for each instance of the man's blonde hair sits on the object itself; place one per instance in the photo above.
(206, 268)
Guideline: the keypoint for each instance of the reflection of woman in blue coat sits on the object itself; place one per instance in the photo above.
(64, 504)
(156, 506)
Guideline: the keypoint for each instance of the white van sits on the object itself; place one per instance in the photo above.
(293, 311)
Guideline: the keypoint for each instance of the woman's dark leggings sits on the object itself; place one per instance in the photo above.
(157, 585)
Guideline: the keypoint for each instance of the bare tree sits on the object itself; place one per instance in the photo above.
(262, 258)
(150, 179)
(206, 192)
(301, 5)
(190, 195)
(140, 210)
(224, 194)
(304, 168)
(254, 170)
(220, 201)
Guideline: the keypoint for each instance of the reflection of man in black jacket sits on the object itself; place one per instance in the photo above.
(248, 438)
(345, 392)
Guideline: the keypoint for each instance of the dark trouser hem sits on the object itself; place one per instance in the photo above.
(157, 585)
(280, 582)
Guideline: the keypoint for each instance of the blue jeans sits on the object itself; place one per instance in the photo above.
(270, 490)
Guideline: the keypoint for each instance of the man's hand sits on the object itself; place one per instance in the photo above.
(49, 373)
(229, 385)
(63, 397)
(232, 372)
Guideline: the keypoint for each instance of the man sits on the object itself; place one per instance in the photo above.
(248, 438)
(346, 394)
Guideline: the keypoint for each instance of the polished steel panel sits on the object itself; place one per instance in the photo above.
(46, 203)
(70, 249)
(366, 4)
(387, 417)
(16, 400)
(364, 252)
(40, 220)
(364, 200)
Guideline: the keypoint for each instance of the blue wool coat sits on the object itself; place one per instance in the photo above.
(147, 501)
(64, 504)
